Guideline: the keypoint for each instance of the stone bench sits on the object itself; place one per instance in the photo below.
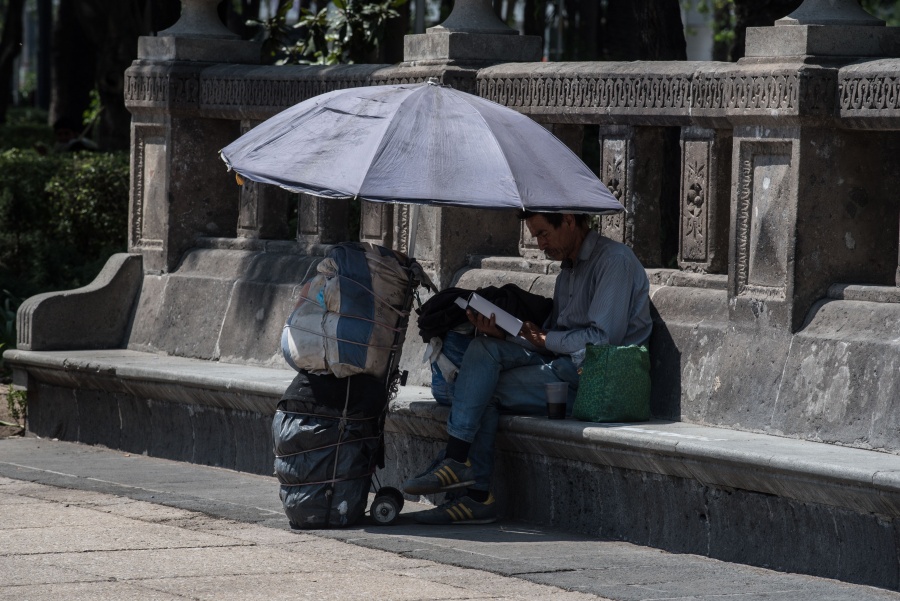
(777, 502)
(196, 377)
(178, 408)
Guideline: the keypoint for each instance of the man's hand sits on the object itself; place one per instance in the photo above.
(533, 334)
(486, 326)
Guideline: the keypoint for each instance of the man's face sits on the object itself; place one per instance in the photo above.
(558, 243)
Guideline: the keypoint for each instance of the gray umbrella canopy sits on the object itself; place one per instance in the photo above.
(422, 144)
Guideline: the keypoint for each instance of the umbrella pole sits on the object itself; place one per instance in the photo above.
(413, 229)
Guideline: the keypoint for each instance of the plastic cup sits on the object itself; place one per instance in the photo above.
(557, 395)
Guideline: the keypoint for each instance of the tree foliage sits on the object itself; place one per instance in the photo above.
(886, 10)
(351, 31)
(61, 216)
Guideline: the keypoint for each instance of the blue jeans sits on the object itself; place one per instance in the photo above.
(454, 348)
(497, 377)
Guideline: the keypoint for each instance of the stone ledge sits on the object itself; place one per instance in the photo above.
(150, 375)
(855, 479)
(871, 294)
(657, 276)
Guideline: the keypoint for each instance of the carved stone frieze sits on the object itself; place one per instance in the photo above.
(588, 91)
(230, 92)
(607, 91)
(878, 92)
(148, 87)
(242, 91)
(746, 92)
(665, 98)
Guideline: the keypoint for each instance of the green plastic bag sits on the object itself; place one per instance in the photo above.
(615, 384)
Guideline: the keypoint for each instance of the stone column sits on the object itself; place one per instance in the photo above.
(472, 37)
(801, 214)
(180, 189)
(808, 208)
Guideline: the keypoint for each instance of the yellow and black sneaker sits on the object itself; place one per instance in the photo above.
(445, 475)
(461, 510)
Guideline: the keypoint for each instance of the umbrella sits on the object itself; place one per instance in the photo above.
(421, 144)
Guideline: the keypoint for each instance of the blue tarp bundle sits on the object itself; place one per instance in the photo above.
(347, 319)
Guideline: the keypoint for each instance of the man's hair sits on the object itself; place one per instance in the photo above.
(582, 220)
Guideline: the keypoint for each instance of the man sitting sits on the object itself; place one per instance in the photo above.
(601, 297)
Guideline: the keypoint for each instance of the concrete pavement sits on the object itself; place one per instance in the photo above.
(81, 522)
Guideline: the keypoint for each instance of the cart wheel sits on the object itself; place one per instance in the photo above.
(385, 510)
(393, 492)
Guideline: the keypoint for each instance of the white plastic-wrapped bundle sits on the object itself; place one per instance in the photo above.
(348, 316)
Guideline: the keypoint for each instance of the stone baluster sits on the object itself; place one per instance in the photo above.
(264, 209)
(377, 223)
(321, 221)
(704, 199)
(263, 212)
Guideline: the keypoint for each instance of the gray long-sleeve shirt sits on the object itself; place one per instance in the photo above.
(602, 299)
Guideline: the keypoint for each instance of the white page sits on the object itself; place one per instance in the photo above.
(506, 321)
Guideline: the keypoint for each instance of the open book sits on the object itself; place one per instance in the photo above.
(505, 321)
